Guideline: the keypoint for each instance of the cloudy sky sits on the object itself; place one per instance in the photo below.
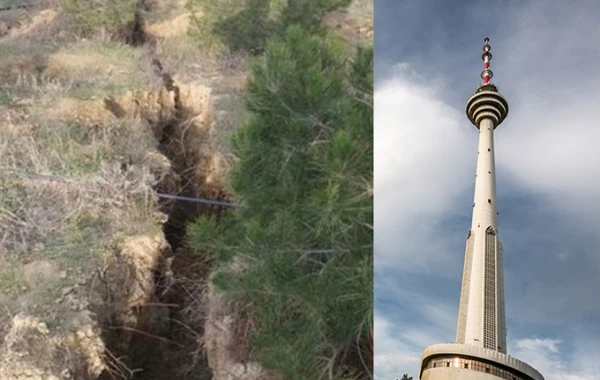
(545, 62)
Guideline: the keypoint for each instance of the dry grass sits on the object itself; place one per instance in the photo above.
(60, 231)
(35, 23)
(355, 23)
(56, 232)
(19, 59)
(181, 54)
(94, 68)
(170, 27)
(72, 217)
(105, 165)
(84, 70)
(362, 9)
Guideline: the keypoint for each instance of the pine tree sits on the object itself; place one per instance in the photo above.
(304, 232)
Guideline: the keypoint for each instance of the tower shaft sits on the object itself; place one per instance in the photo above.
(484, 208)
(481, 320)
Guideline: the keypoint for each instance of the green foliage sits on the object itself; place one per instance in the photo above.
(406, 377)
(5, 97)
(304, 232)
(246, 25)
(115, 17)
(11, 277)
(8, 4)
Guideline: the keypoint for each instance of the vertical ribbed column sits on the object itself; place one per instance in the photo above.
(501, 317)
(490, 308)
(464, 290)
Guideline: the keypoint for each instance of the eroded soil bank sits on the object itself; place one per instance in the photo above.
(167, 339)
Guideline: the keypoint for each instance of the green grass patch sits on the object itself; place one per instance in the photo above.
(12, 281)
(6, 97)
(16, 3)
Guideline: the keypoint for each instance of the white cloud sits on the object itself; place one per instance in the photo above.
(548, 358)
(549, 142)
(398, 344)
(394, 356)
(422, 163)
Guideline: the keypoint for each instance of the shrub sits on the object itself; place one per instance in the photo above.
(304, 232)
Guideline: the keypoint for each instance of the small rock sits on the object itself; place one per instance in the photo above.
(42, 328)
(62, 274)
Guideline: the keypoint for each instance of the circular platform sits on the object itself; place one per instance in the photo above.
(487, 102)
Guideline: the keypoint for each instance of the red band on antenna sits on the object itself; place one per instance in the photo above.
(487, 73)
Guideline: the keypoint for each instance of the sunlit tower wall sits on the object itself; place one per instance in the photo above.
(480, 348)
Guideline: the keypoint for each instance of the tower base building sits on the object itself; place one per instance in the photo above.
(453, 361)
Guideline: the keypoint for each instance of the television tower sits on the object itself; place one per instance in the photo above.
(480, 348)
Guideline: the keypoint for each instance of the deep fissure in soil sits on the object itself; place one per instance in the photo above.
(166, 343)
(180, 284)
